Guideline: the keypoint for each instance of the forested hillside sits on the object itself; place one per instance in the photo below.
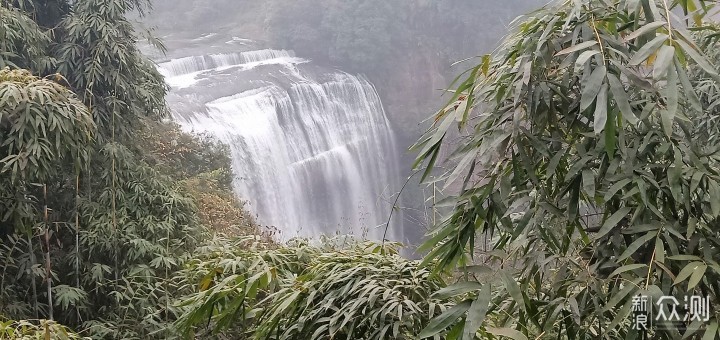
(587, 163)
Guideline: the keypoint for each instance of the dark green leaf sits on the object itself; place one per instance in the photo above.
(477, 312)
(592, 87)
(601, 105)
(621, 98)
(612, 221)
(444, 320)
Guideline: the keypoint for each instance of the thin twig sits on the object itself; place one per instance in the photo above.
(392, 209)
(652, 259)
(667, 17)
(597, 36)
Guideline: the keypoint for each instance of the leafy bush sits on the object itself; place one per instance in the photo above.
(40, 330)
(41, 124)
(23, 44)
(341, 290)
(43, 128)
(98, 55)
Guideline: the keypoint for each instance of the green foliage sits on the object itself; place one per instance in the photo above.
(113, 276)
(47, 13)
(23, 44)
(581, 162)
(133, 249)
(202, 166)
(707, 87)
(113, 229)
(183, 155)
(42, 127)
(40, 330)
(42, 124)
(342, 290)
(98, 55)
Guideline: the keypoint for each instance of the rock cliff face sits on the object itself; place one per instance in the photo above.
(412, 91)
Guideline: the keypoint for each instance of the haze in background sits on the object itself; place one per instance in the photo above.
(313, 147)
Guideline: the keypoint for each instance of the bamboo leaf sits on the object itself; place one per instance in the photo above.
(699, 59)
(626, 268)
(506, 332)
(459, 288)
(621, 98)
(697, 275)
(659, 250)
(711, 331)
(633, 247)
(644, 29)
(577, 47)
(649, 48)
(512, 288)
(667, 122)
(444, 320)
(714, 191)
(688, 270)
(672, 92)
(663, 61)
(612, 221)
(688, 88)
(592, 87)
(588, 182)
(477, 312)
(584, 57)
(601, 114)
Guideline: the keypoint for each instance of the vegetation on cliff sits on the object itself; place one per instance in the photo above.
(587, 160)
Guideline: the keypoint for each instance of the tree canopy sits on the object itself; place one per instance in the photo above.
(582, 159)
(92, 229)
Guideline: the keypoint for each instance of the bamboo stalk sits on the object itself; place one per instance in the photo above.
(167, 274)
(114, 197)
(48, 271)
(77, 239)
(434, 205)
(32, 274)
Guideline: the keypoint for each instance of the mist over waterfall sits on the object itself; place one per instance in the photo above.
(312, 149)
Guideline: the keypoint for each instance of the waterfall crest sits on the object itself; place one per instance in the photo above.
(312, 149)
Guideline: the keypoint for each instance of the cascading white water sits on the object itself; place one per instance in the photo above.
(312, 151)
(183, 72)
(192, 64)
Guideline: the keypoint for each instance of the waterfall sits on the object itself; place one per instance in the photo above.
(312, 149)
(183, 72)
